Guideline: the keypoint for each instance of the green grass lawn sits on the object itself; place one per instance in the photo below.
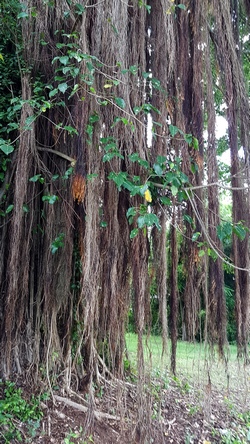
(194, 362)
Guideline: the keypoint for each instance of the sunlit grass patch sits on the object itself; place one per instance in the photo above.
(195, 362)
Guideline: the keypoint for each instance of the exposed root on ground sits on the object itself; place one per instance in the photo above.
(83, 408)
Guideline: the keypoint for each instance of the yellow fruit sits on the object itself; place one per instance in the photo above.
(148, 196)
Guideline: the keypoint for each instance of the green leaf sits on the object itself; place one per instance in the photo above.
(120, 102)
(143, 189)
(70, 129)
(240, 231)
(31, 119)
(195, 143)
(134, 233)
(188, 138)
(94, 118)
(143, 163)
(156, 83)
(51, 199)
(92, 176)
(148, 220)
(64, 60)
(130, 187)
(193, 168)
(188, 219)
(173, 130)
(53, 92)
(33, 12)
(141, 221)
(134, 157)
(146, 75)
(131, 212)
(12, 126)
(74, 72)
(35, 178)
(103, 102)
(59, 78)
(45, 105)
(181, 6)
(158, 169)
(57, 243)
(176, 181)
(108, 139)
(196, 236)
(136, 179)
(63, 87)
(89, 130)
(133, 69)
(77, 56)
(118, 178)
(22, 14)
(110, 147)
(25, 208)
(7, 148)
(165, 200)
(211, 253)
(183, 177)
(147, 107)
(60, 45)
(103, 224)
(224, 231)
(17, 107)
(109, 156)
(169, 177)
(79, 9)
(201, 253)
(174, 190)
(68, 173)
(66, 14)
(9, 209)
(161, 160)
(125, 121)
(90, 67)
(157, 124)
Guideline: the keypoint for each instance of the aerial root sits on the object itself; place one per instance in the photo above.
(112, 377)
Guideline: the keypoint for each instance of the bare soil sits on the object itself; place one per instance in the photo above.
(173, 411)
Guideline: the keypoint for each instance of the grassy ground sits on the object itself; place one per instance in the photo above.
(181, 409)
(217, 390)
(196, 363)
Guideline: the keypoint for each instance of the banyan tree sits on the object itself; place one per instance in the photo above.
(107, 161)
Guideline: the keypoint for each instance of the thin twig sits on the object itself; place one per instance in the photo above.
(209, 240)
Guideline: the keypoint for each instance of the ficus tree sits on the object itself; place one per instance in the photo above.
(103, 146)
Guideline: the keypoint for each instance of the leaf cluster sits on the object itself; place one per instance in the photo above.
(15, 409)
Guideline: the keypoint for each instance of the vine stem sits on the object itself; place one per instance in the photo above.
(58, 153)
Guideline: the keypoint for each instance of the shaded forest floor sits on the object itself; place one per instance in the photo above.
(175, 410)
(179, 414)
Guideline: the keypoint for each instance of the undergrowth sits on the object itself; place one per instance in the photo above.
(19, 418)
